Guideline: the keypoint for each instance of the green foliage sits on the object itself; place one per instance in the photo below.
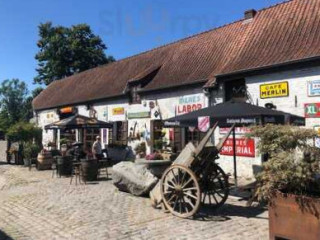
(14, 105)
(24, 132)
(141, 148)
(158, 144)
(293, 164)
(65, 51)
(31, 150)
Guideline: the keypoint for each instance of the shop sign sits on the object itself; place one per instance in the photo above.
(312, 110)
(190, 103)
(273, 90)
(314, 88)
(66, 110)
(238, 130)
(244, 147)
(138, 111)
(132, 115)
(117, 111)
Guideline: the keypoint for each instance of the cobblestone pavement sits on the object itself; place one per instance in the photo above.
(33, 205)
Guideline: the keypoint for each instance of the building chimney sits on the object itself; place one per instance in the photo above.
(249, 14)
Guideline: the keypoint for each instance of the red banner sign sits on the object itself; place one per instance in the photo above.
(312, 110)
(244, 147)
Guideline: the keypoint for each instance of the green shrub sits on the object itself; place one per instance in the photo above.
(24, 132)
(31, 150)
(293, 164)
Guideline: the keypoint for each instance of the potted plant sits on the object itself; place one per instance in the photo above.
(30, 151)
(289, 181)
(141, 149)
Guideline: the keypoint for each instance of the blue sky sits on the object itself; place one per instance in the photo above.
(126, 27)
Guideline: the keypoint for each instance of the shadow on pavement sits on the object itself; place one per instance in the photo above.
(4, 236)
(227, 211)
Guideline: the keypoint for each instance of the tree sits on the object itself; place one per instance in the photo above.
(13, 96)
(65, 51)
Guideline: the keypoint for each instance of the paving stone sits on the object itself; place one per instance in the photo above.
(33, 206)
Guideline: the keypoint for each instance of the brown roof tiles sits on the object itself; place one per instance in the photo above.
(284, 32)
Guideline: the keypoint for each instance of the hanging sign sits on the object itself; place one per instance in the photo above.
(314, 88)
(203, 124)
(312, 110)
(244, 147)
(273, 90)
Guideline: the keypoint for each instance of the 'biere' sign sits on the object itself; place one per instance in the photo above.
(244, 147)
(273, 90)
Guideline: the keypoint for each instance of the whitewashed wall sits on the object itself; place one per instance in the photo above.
(298, 86)
(44, 118)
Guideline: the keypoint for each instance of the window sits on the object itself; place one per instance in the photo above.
(119, 133)
(157, 134)
(134, 97)
(194, 136)
(90, 136)
(235, 90)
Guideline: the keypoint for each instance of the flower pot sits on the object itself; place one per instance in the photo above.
(294, 217)
(26, 162)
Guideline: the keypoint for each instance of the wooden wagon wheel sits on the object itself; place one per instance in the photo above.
(180, 191)
(215, 187)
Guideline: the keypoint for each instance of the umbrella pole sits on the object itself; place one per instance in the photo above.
(234, 159)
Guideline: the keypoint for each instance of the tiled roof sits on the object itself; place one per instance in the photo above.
(285, 32)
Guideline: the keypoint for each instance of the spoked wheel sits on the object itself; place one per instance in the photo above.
(215, 187)
(180, 191)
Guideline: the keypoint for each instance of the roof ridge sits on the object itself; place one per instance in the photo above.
(177, 41)
(275, 5)
(194, 35)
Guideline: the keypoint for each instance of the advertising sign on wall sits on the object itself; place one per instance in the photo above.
(273, 90)
(312, 110)
(314, 88)
(190, 103)
(138, 111)
(117, 111)
(244, 147)
(238, 130)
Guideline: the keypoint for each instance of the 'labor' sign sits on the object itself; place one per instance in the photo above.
(244, 147)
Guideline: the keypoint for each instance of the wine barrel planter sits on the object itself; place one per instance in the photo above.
(294, 217)
(44, 160)
(64, 166)
(89, 170)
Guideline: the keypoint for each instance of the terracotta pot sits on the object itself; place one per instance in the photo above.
(294, 217)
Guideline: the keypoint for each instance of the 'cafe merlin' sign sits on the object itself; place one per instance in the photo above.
(312, 110)
(273, 90)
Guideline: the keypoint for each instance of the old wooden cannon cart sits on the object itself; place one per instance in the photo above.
(195, 179)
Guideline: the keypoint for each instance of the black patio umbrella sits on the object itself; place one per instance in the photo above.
(239, 113)
(78, 122)
(235, 113)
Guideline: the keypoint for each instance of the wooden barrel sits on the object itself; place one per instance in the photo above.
(89, 170)
(44, 160)
(64, 165)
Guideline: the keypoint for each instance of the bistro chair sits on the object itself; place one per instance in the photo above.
(77, 173)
